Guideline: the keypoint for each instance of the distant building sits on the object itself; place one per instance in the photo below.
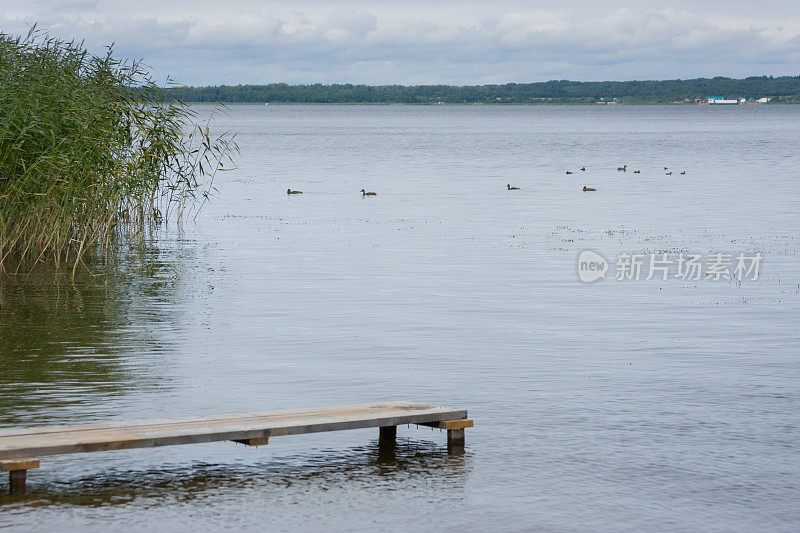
(719, 100)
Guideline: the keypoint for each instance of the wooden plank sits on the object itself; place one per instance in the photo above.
(17, 443)
(450, 424)
(261, 441)
(10, 465)
(288, 413)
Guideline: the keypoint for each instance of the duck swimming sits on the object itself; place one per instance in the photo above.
(684, 172)
(290, 191)
(365, 193)
(637, 171)
(510, 188)
(583, 169)
(623, 168)
(669, 173)
(585, 188)
(568, 172)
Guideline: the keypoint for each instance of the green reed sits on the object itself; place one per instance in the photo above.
(90, 149)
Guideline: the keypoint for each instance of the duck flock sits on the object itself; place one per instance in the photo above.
(623, 168)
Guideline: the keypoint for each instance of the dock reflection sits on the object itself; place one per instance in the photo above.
(408, 464)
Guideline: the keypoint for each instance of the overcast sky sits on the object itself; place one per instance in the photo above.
(202, 42)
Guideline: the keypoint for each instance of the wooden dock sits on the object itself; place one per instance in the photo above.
(20, 448)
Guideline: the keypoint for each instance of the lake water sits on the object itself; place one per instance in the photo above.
(614, 405)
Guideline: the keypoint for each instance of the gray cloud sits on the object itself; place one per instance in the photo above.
(380, 43)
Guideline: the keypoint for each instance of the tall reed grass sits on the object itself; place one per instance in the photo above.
(89, 145)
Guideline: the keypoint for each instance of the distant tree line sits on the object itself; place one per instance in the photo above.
(780, 89)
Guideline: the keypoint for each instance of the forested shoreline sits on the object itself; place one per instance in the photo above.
(783, 89)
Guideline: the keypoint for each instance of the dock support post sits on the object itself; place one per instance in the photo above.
(387, 443)
(18, 472)
(16, 481)
(455, 432)
(388, 436)
(455, 440)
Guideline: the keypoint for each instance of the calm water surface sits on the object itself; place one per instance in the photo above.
(655, 405)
